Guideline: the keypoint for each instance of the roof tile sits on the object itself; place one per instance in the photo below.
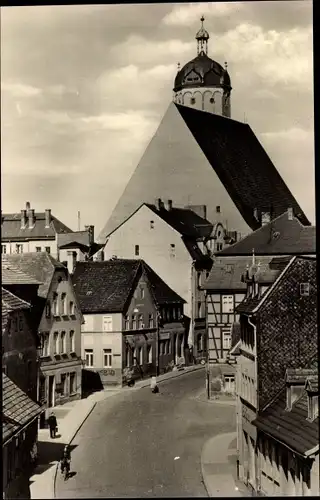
(11, 228)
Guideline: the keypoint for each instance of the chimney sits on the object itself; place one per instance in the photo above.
(160, 204)
(90, 230)
(23, 219)
(31, 217)
(169, 204)
(290, 213)
(71, 260)
(265, 218)
(48, 217)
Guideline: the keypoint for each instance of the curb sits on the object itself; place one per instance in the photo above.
(70, 441)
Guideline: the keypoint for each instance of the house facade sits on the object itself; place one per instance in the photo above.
(59, 328)
(132, 319)
(178, 244)
(278, 330)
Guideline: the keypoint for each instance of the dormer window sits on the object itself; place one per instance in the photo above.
(304, 289)
(151, 224)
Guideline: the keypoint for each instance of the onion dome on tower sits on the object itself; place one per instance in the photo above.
(203, 83)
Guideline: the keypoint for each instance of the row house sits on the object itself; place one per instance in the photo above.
(132, 319)
(286, 465)
(278, 329)
(58, 319)
(31, 231)
(178, 243)
(225, 288)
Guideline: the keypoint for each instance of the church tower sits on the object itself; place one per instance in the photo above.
(203, 83)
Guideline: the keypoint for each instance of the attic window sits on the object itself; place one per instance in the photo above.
(218, 209)
(192, 100)
(304, 289)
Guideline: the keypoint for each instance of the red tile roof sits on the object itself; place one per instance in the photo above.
(279, 237)
(242, 165)
(290, 427)
(11, 228)
(106, 286)
(17, 408)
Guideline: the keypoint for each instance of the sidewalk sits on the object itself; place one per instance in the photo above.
(71, 417)
(219, 467)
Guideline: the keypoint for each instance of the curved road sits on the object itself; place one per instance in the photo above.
(129, 444)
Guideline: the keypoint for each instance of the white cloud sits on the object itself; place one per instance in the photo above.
(20, 90)
(186, 15)
(292, 135)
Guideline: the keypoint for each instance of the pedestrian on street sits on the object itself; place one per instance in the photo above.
(53, 426)
(154, 386)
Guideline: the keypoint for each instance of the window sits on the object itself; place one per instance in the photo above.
(192, 100)
(227, 303)
(141, 292)
(56, 343)
(20, 323)
(126, 323)
(107, 358)
(38, 249)
(48, 309)
(47, 249)
(3, 249)
(135, 356)
(151, 321)
(219, 247)
(55, 305)
(63, 342)
(63, 304)
(226, 337)
(218, 209)
(107, 323)
(88, 356)
(304, 289)
(136, 249)
(71, 308)
(19, 248)
(63, 382)
(134, 322)
(45, 344)
(140, 321)
(149, 352)
(72, 341)
(199, 310)
(151, 224)
(140, 355)
(73, 386)
(172, 250)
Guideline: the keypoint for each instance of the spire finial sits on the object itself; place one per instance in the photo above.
(202, 19)
(202, 38)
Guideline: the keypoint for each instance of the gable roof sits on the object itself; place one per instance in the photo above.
(242, 165)
(227, 272)
(11, 228)
(39, 265)
(106, 286)
(291, 428)
(280, 236)
(81, 237)
(17, 408)
(13, 275)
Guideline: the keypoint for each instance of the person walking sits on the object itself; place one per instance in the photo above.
(154, 386)
(53, 426)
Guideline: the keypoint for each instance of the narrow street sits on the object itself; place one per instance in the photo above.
(139, 444)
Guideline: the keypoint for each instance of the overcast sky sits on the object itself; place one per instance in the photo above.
(85, 87)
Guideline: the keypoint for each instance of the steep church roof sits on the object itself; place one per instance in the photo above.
(196, 158)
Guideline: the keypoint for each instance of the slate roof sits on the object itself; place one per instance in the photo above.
(290, 427)
(13, 275)
(298, 375)
(81, 237)
(106, 286)
(12, 302)
(280, 236)
(11, 228)
(226, 273)
(40, 265)
(17, 408)
(242, 165)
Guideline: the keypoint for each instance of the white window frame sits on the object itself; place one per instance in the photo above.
(107, 357)
(226, 303)
(55, 305)
(63, 339)
(19, 248)
(45, 344)
(140, 321)
(134, 322)
(71, 308)
(107, 323)
(226, 338)
(126, 322)
(151, 320)
(56, 340)
(88, 356)
(3, 249)
(72, 341)
(63, 304)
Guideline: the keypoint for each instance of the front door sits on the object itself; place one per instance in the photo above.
(51, 391)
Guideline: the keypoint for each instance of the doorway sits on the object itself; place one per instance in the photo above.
(51, 391)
